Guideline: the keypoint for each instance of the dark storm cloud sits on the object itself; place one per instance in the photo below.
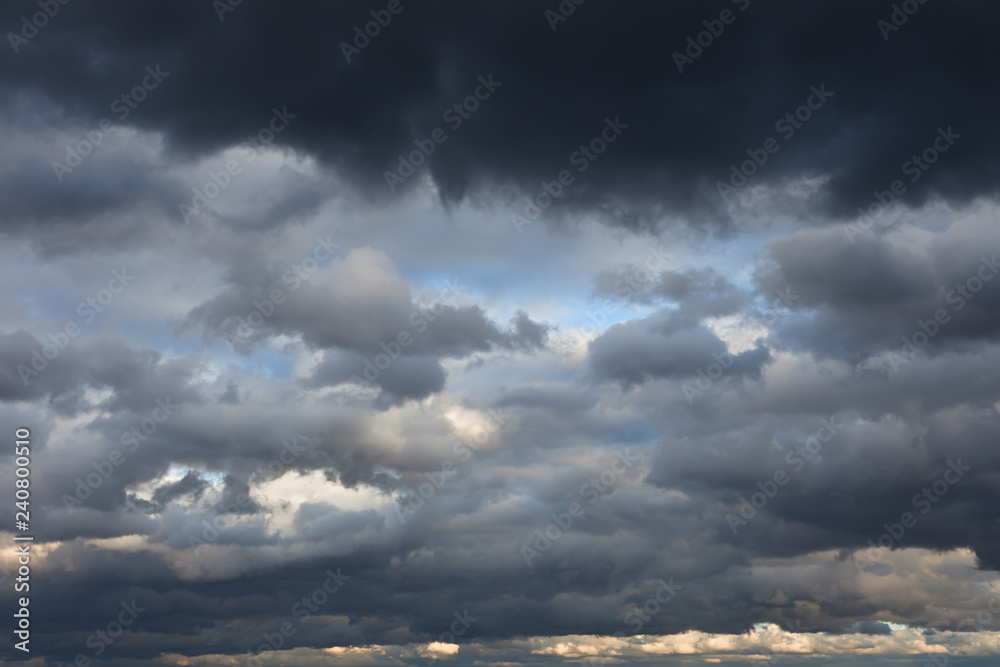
(526, 334)
(364, 326)
(362, 314)
(190, 484)
(673, 342)
(476, 565)
(873, 294)
(878, 444)
(317, 521)
(17, 350)
(235, 490)
(556, 89)
(286, 197)
(238, 440)
(666, 345)
(110, 183)
(360, 303)
(635, 283)
(36, 368)
(232, 395)
(409, 377)
(867, 627)
(700, 292)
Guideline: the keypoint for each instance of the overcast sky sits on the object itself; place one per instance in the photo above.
(503, 333)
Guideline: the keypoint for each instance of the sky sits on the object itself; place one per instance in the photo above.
(501, 334)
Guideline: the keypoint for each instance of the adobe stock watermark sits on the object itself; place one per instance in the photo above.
(901, 13)
(408, 505)
(454, 115)
(295, 276)
(223, 7)
(290, 452)
(638, 616)
(634, 280)
(796, 458)
(86, 309)
(713, 30)
(219, 181)
(581, 158)
(894, 532)
(984, 616)
(787, 125)
(362, 38)
(303, 609)
(715, 370)
(977, 623)
(139, 433)
(565, 9)
(914, 168)
(123, 106)
(37, 21)
(937, 659)
(927, 329)
(102, 639)
(420, 320)
(594, 489)
(708, 376)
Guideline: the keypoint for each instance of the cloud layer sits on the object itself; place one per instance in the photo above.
(505, 334)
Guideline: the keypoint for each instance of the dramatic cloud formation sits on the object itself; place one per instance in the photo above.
(503, 333)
